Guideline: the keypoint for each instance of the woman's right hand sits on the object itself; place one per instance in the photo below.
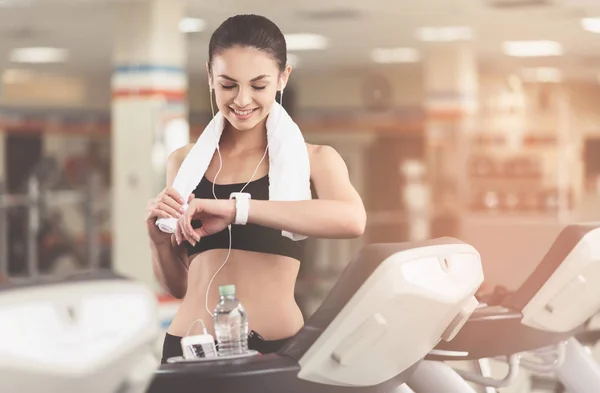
(168, 203)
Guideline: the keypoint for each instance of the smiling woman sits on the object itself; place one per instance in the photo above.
(247, 77)
(220, 241)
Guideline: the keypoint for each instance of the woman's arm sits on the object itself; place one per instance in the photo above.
(337, 213)
(169, 266)
(169, 259)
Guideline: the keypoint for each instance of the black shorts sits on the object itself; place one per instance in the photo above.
(172, 345)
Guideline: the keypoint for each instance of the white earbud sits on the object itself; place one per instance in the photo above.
(281, 92)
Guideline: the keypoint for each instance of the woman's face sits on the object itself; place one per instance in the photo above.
(245, 81)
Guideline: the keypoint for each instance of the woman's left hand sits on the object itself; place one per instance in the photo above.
(215, 214)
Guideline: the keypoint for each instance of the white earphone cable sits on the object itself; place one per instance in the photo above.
(215, 196)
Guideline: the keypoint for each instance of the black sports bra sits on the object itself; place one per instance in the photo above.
(249, 237)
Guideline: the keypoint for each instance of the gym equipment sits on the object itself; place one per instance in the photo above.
(540, 319)
(95, 332)
(34, 217)
(90, 332)
(392, 304)
(587, 340)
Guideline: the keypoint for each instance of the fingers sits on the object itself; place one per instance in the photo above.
(187, 225)
(173, 193)
(182, 232)
(157, 209)
(178, 234)
(201, 232)
(171, 212)
(158, 213)
(154, 211)
(173, 202)
(173, 199)
(168, 204)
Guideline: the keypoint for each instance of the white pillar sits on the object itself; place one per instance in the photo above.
(451, 103)
(149, 120)
(451, 81)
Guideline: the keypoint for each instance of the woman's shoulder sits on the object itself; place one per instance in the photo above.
(321, 151)
(178, 155)
(317, 150)
(322, 155)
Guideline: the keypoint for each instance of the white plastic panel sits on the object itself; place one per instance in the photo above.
(572, 294)
(398, 315)
(83, 336)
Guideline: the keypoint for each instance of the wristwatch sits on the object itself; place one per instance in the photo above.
(242, 206)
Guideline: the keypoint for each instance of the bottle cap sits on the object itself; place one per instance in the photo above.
(227, 290)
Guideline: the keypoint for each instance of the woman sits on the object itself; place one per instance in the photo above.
(246, 69)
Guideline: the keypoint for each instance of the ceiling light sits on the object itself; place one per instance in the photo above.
(542, 74)
(444, 34)
(292, 60)
(532, 48)
(591, 24)
(38, 55)
(305, 41)
(395, 55)
(191, 25)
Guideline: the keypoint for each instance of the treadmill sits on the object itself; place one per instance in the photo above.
(97, 332)
(534, 327)
(391, 306)
(92, 332)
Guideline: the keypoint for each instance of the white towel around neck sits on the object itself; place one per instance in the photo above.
(289, 164)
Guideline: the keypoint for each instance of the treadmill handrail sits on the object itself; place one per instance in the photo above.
(564, 244)
(513, 371)
(351, 279)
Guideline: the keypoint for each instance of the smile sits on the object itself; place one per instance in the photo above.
(242, 115)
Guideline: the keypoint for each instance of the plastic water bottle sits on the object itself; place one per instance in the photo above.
(231, 323)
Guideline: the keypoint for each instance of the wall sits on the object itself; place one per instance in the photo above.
(333, 90)
(342, 93)
(338, 93)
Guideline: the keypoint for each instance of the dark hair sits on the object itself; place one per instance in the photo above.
(249, 31)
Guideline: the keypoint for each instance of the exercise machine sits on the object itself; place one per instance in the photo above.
(391, 306)
(534, 327)
(589, 339)
(89, 332)
(95, 333)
